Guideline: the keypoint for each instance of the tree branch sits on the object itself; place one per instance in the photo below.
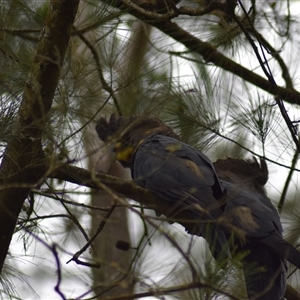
(124, 188)
(210, 53)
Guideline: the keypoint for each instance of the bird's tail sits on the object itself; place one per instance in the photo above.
(282, 248)
(265, 274)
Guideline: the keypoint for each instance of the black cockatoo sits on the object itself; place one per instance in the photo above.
(229, 202)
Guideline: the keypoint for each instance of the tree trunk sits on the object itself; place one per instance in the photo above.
(24, 153)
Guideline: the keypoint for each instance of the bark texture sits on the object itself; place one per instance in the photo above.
(24, 153)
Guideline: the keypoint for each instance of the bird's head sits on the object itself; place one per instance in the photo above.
(248, 173)
(127, 134)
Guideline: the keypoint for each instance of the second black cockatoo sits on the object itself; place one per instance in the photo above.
(229, 202)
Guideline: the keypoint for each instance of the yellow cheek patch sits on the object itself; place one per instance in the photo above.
(124, 154)
(173, 147)
(118, 145)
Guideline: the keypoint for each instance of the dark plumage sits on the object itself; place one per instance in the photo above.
(233, 205)
(253, 214)
(170, 169)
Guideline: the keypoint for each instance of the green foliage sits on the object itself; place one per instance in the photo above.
(116, 63)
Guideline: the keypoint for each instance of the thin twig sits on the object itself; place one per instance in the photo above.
(266, 69)
(105, 85)
(285, 71)
(171, 241)
(57, 261)
(173, 11)
(210, 53)
(288, 180)
(171, 290)
(84, 248)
